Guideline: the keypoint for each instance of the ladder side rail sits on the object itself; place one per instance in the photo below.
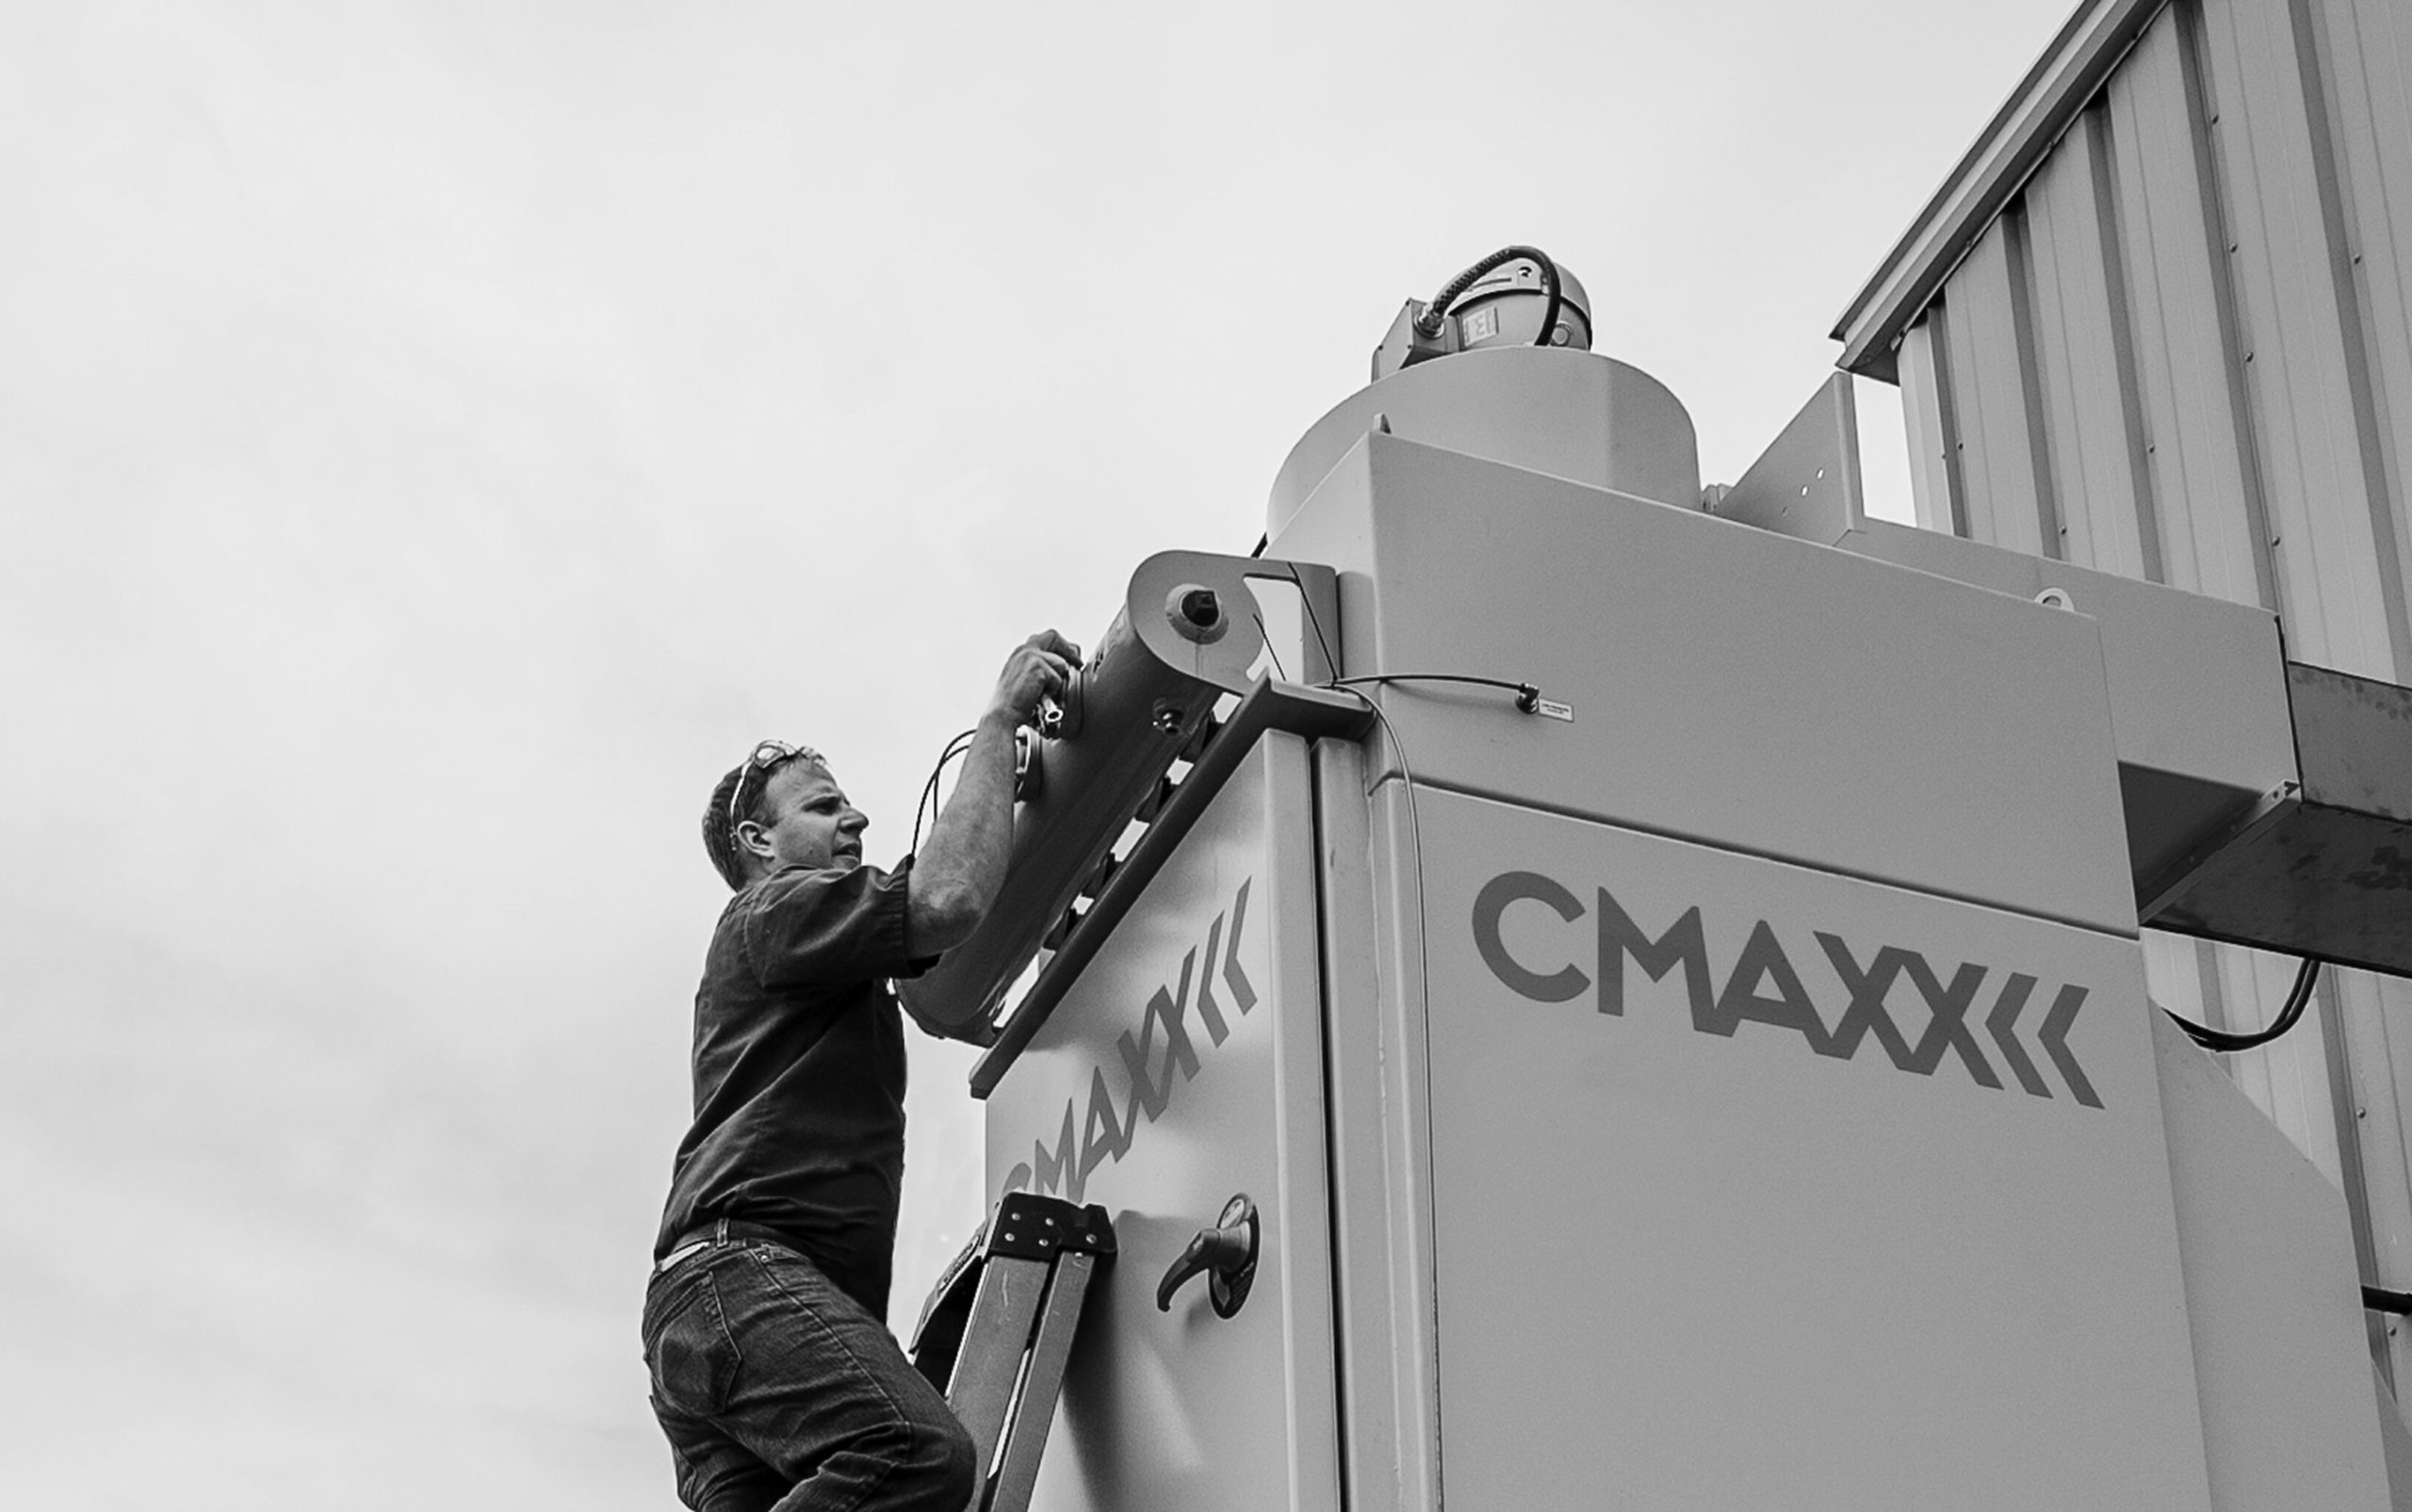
(1051, 1349)
(989, 1366)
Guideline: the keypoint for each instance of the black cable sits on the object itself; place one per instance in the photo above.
(1266, 636)
(1428, 323)
(930, 789)
(2221, 1042)
(1307, 604)
(928, 803)
(1528, 697)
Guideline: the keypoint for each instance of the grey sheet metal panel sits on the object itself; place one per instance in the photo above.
(1380, 1140)
(1184, 1066)
(1689, 1260)
(2197, 687)
(1807, 483)
(1727, 683)
(2289, 1419)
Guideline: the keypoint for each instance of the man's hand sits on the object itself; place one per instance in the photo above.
(1040, 667)
(960, 869)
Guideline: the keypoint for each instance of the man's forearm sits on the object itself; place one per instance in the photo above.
(959, 873)
(961, 869)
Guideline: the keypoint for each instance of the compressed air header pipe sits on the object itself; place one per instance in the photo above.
(1189, 631)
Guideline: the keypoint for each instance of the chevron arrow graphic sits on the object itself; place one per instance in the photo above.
(1242, 991)
(2003, 1022)
(2054, 1037)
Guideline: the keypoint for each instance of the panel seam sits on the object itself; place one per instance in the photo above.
(2123, 343)
(1946, 418)
(2217, 232)
(2017, 229)
(1823, 867)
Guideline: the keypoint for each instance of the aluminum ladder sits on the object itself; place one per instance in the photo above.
(997, 1332)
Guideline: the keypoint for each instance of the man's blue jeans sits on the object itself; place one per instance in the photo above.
(779, 1390)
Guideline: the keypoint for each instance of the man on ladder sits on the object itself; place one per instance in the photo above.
(772, 1373)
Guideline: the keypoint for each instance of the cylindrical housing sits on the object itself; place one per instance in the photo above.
(1571, 414)
(1187, 634)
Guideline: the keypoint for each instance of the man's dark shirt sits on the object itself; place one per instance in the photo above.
(799, 1070)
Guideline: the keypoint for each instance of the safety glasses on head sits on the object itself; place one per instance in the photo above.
(765, 758)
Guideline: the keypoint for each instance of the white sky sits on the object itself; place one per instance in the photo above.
(438, 439)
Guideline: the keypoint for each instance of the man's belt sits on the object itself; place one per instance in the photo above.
(718, 1231)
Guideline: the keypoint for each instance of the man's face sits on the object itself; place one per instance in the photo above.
(807, 821)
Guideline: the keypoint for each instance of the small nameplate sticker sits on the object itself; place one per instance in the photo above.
(1554, 709)
(1479, 325)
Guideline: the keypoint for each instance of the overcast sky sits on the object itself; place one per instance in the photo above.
(438, 439)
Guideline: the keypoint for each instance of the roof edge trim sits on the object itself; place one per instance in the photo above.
(2080, 58)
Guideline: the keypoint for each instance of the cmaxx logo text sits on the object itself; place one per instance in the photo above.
(1973, 1016)
(1151, 1062)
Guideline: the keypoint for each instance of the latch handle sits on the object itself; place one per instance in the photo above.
(1225, 1255)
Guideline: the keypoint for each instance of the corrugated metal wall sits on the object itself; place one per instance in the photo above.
(2184, 352)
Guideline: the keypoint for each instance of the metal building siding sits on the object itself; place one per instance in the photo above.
(1924, 417)
(2377, 1017)
(2081, 360)
(2268, 138)
(2288, 1079)
(2208, 283)
(2190, 434)
(2367, 45)
(1996, 434)
(2240, 990)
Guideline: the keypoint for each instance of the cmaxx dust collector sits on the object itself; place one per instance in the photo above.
(1576, 997)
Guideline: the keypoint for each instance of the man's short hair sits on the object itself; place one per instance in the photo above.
(720, 824)
(720, 832)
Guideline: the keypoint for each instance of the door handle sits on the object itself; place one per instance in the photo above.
(1225, 1255)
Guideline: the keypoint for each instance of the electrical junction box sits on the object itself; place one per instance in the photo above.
(1740, 1095)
